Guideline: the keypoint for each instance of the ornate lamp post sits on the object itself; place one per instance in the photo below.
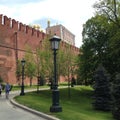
(22, 86)
(55, 92)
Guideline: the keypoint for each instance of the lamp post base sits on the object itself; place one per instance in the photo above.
(55, 109)
(22, 89)
(55, 100)
(22, 94)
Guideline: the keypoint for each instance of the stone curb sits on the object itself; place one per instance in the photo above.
(47, 117)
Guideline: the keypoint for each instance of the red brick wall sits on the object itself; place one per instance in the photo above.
(15, 35)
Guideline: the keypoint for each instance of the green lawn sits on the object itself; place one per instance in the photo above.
(77, 106)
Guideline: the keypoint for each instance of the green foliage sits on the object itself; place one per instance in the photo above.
(45, 59)
(1, 80)
(115, 50)
(39, 62)
(109, 8)
(102, 95)
(67, 61)
(101, 38)
(30, 66)
(116, 97)
(94, 48)
(61, 62)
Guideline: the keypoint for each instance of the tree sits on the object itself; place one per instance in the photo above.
(95, 47)
(102, 95)
(61, 62)
(116, 97)
(44, 60)
(67, 63)
(39, 62)
(115, 50)
(85, 66)
(30, 65)
(65, 60)
(109, 8)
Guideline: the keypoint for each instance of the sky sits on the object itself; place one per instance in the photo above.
(70, 13)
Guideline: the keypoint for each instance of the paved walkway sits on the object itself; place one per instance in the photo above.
(9, 111)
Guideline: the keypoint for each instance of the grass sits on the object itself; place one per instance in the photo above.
(18, 87)
(76, 105)
(26, 87)
(14, 88)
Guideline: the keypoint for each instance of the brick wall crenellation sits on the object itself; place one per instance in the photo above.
(18, 26)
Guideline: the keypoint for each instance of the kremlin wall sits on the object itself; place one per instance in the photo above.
(13, 37)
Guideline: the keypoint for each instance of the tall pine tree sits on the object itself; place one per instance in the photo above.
(116, 97)
(102, 95)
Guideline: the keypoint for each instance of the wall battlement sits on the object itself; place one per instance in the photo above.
(18, 26)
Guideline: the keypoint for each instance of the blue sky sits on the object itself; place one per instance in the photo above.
(70, 13)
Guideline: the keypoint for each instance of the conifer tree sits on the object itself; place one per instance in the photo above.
(116, 97)
(102, 95)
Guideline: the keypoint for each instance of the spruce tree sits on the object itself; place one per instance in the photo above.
(116, 97)
(102, 96)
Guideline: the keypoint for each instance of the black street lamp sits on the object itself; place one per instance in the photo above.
(55, 92)
(22, 86)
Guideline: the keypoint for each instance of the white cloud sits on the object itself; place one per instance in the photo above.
(72, 13)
